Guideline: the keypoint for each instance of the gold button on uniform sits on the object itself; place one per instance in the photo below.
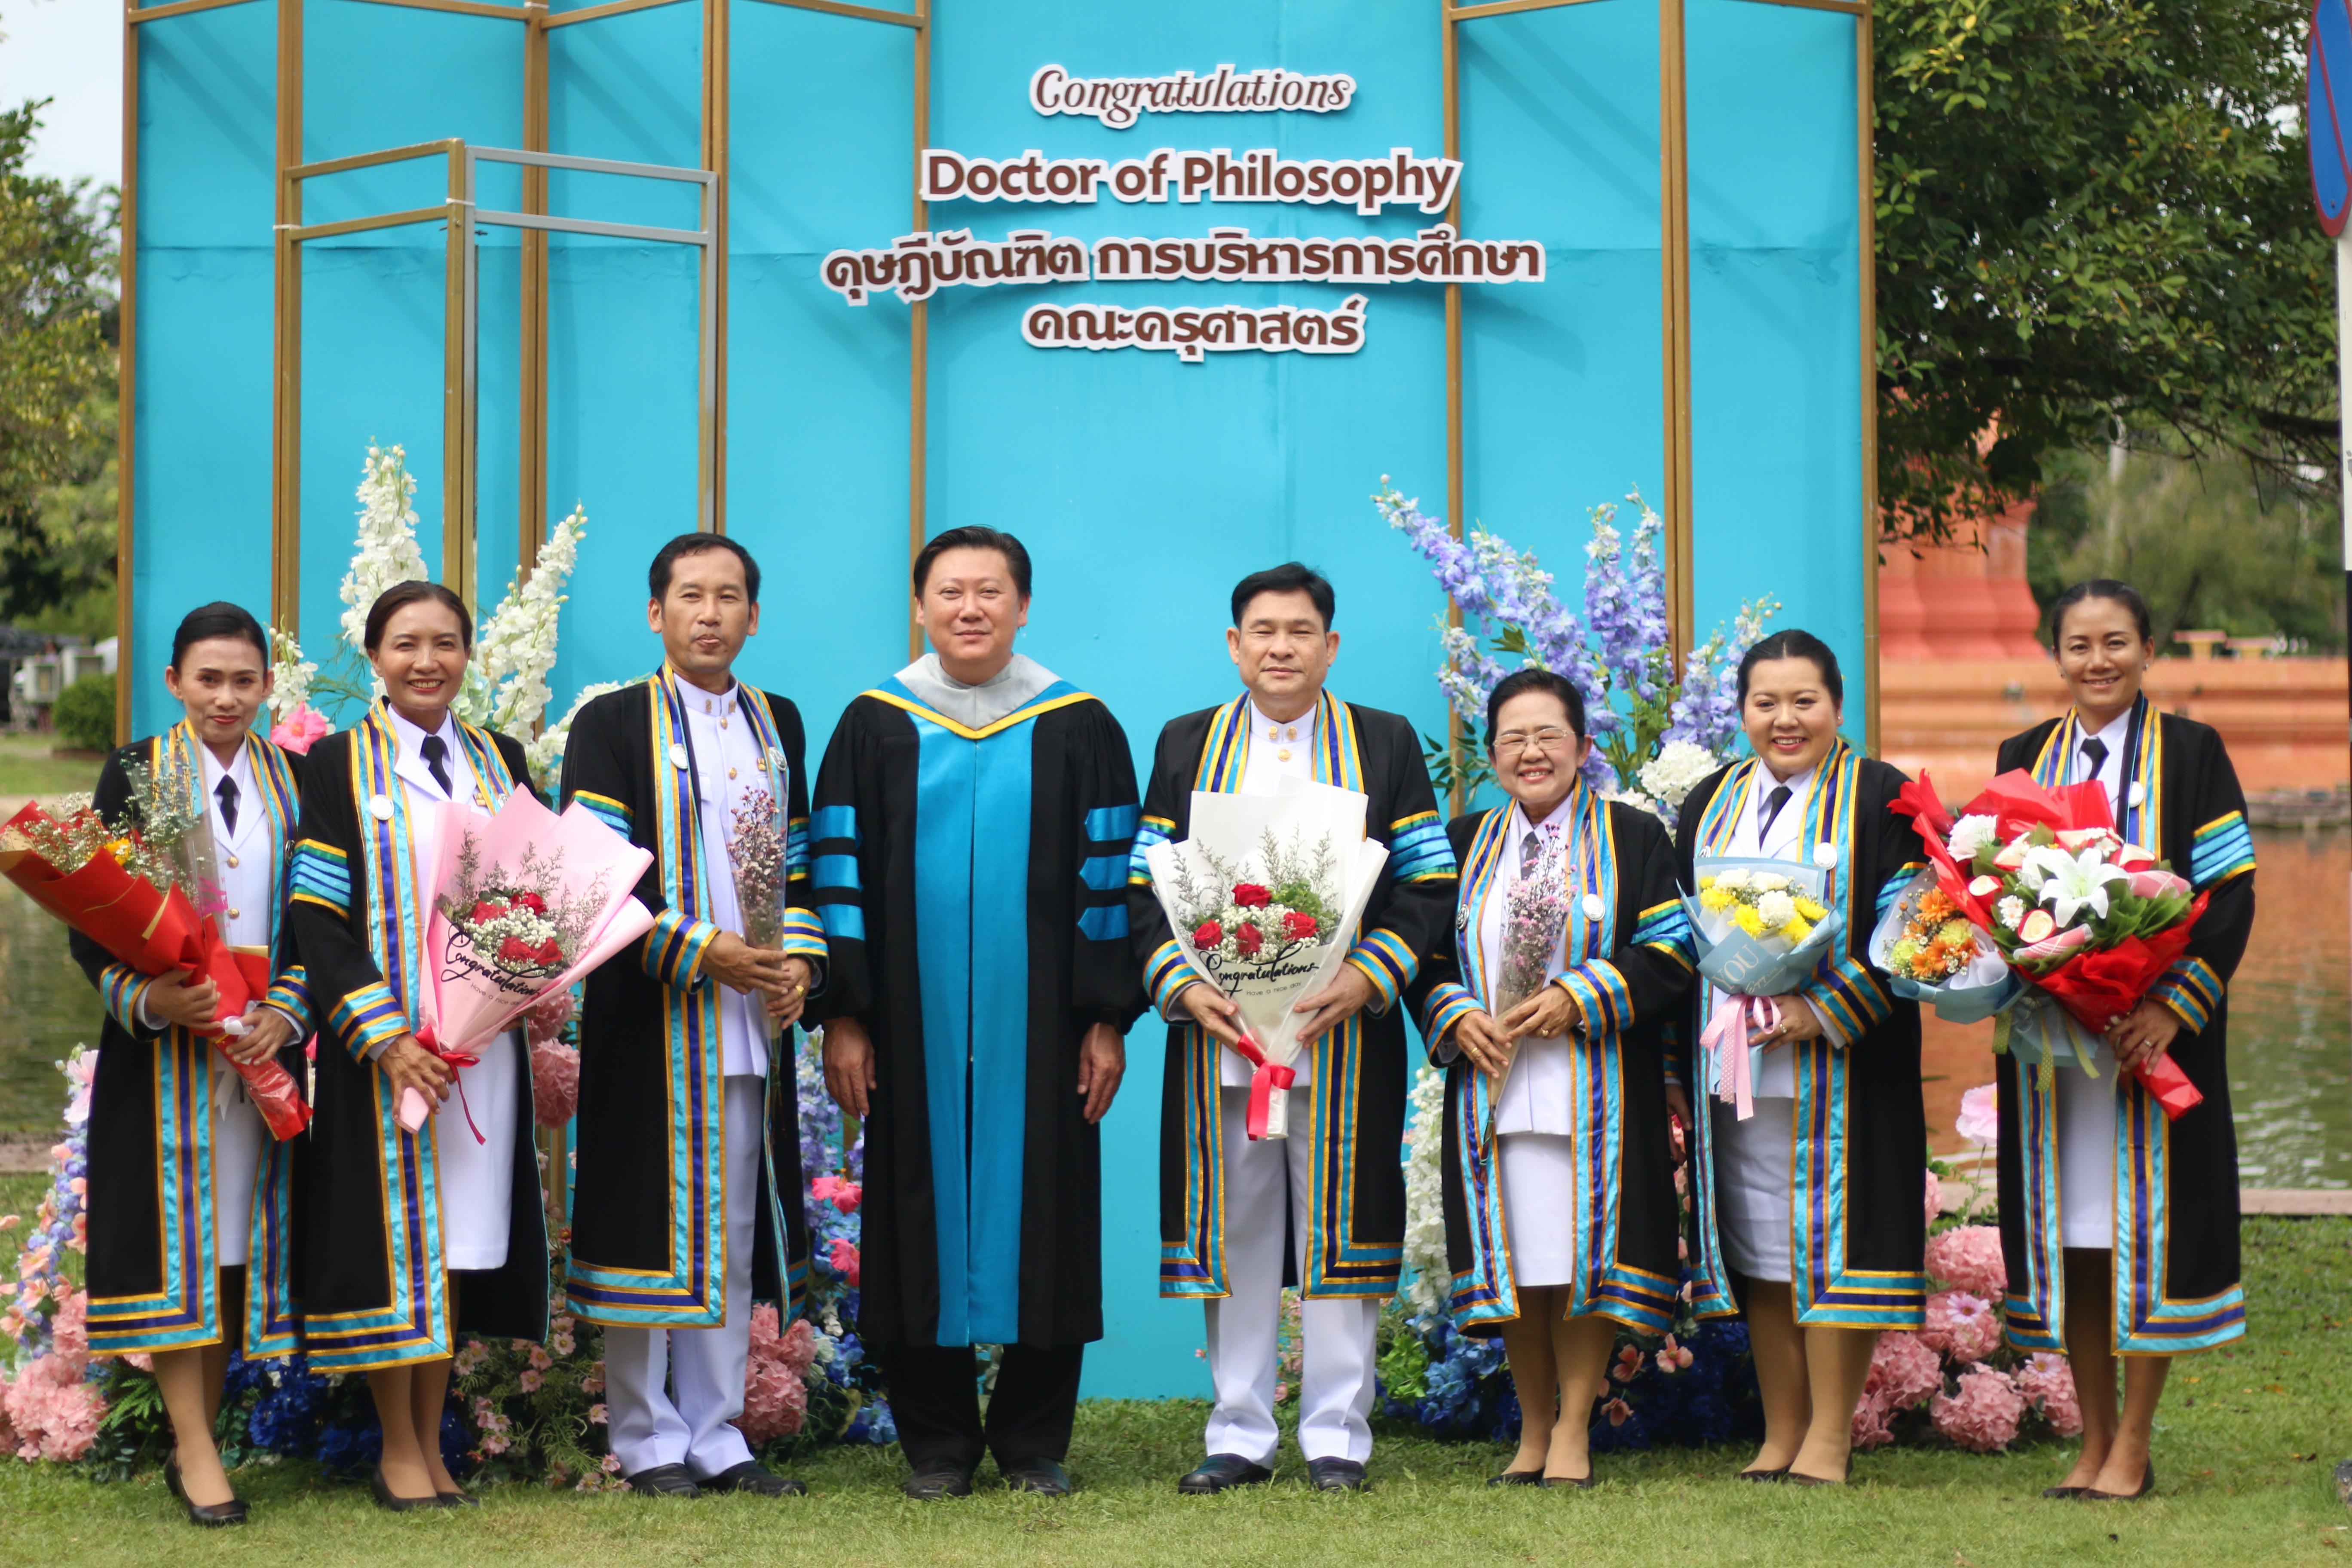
(234, 914)
(1283, 755)
(730, 773)
(231, 862)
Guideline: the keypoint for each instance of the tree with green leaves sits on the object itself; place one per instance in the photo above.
(57, 334)
(2094, 215)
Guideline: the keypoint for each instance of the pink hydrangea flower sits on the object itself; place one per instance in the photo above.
(545, 1018)
(1904, 1371)
(1968, 1257)
(1935, 1198)
(555, 1083)
(300, 730)
(1979, 1117)
(52, 1413)
(1983, 1413)
(775, 1394)
(2048, 1381)
(1871, 1416)
(1962, 1326)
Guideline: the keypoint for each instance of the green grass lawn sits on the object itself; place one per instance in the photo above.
(2243, 1456)
(26, 767)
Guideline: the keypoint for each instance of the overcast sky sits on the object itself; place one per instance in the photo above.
(71, 51)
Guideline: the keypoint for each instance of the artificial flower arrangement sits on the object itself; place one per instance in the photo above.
(1656, 730)
(147, 894)
(1760, 927)
(2087, 920)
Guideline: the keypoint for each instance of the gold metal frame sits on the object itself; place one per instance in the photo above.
(1675, 324)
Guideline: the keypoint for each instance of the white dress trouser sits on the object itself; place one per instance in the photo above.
(2086, 1153)
(689, 1422)
(1337, 1337)
(239, 1135)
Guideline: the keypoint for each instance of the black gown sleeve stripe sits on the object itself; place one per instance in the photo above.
(836, 879)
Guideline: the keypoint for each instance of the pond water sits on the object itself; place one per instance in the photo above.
(2290, 1022)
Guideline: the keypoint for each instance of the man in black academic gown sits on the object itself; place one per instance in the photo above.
(688, 1201)
(974, 818)
(1334, 1187)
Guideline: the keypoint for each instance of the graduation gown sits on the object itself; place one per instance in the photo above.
(2177, 1284)
(1355, 1102)
(1630, 970)
(972, 887)
(153, 1229)
(1857, 1210)
(373, 1287)
(649, 1200)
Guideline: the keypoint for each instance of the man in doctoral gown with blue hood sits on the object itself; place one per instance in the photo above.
(972, 820)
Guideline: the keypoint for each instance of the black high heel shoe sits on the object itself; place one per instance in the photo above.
(210, 1515)
(391, 1501)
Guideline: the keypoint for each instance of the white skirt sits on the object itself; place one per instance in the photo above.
(476, 1180)
(2086, 1153)
(1538, 1174)
(1754, 1168)
(238, 1136)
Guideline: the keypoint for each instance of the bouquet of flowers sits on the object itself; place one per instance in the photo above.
(756, 853)
(1535, 912)
(2087, 920)
(1265, 898)
(525, 902)
(1932, 953)
(1761, 927)
(147, 894)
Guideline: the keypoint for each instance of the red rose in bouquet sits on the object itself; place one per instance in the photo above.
(1249, 939)
(1250, 896)
(1207, 934)
(1299, 926)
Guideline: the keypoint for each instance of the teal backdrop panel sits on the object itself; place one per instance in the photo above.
(199, 401)
(1776, 322)
(1144, 486)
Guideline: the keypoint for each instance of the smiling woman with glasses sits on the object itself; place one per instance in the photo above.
(1569, 956)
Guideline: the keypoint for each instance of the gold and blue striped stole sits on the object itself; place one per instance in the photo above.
(2140, 799)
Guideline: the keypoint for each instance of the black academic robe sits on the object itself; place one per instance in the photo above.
(1629, 968)
(1354, 1104)
(2176, 1283)
(1858, 1201)
(373, 1287)
(648, 1239)
(151, 1151)
(972, 884)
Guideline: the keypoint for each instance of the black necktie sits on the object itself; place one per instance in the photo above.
(1772, 805)
(226, 790)
(435, 749)
(2097, 751)
(1530, 853)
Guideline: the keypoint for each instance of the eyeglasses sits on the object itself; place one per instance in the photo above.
(1550, 738)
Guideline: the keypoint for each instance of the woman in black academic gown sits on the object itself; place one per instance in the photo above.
(189, 1193)
(1816, 1205)
(2070, 1143)
(407, 1237)
(1544, 1097)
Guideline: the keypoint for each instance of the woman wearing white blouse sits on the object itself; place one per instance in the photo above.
(1547, 1099)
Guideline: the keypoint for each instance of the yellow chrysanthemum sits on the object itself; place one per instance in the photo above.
(1714, 899)
(1798, 929)
(1749, 920)
(1810, 910)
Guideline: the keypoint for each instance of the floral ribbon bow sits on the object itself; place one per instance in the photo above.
(1263, 1080)
(414, 1120)
(1726, 1039)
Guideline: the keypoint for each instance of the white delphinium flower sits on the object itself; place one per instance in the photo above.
(1970, 833)
(545, 754)
(387, 552)
(1776, 908)
(1428, 1274)
(1677, 769)
(2012, 910)
(290, 675)
(506, 680)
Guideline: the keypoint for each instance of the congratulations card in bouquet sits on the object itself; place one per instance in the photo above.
(1265, 898)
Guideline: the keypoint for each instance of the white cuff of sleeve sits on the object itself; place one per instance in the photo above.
(1830, 1030)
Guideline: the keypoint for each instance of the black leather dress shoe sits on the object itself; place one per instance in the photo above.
(664, 1480)
(392, 1501)
(210, 1515)
(1219, 1471)
(1335, 1475)
(751, 1477)
(1516, 1478)
(938, 1479)
(1044, 1476)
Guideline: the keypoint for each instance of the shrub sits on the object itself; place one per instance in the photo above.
(84, 714)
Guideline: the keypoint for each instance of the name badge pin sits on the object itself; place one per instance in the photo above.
(676, 755)
(2138, 795)
(1593, 908)
(1825, 853)
(380, 807)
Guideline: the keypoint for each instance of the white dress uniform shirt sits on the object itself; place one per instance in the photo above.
(730, 768)
(476, 1180)
(247, 871)
(1535, 1090)
(2086, 1106)
(1278, 749)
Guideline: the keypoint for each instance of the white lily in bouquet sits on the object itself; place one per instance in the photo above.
(1265, 898)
